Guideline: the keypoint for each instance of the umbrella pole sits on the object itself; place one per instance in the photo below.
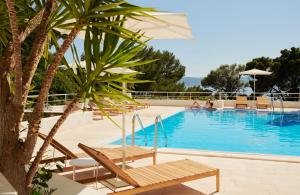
(254, 88)
(124, 131)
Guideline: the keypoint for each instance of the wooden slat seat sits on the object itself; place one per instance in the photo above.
(149, 178)
(262, 102)
(168, 171)
(132, 153)
(241, 102)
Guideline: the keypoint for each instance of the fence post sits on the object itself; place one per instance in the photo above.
(47, 102)
(220, 96)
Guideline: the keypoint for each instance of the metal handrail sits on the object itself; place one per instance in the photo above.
(282, 105)
(155, 145)
(163, 129)
(272, 103)
(137, 116)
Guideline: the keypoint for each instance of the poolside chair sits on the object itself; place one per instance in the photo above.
(241, 102)
(262, 102)
(99, 113)
(115, 154)
(144, 179)
(136, 106)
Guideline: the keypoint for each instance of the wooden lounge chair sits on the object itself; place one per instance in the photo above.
(241, 102)
(158, 176)
(262, 102)
(136, 106)
(115, 154)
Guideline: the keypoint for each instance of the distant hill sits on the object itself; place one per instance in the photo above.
(191, 81)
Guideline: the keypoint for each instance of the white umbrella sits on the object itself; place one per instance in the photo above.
(159, 25)
(255, 72)
(162, 26)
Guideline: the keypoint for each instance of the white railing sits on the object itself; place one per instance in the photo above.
(61, 99)
(53, 99)
(208, 95)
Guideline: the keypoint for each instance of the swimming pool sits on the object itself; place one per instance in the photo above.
(229, 130)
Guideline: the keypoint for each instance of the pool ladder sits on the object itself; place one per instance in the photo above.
(281, 104)
(157, 122)
(137, 116)
(282, 108)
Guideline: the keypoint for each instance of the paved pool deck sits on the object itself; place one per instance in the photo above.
(241, 174)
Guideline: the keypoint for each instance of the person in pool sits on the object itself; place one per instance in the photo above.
(211, 108)
(208, 103)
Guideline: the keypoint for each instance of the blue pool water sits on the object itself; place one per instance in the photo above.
(246, 131)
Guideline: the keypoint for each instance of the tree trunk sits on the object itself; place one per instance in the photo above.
(37, 50)
(34, 166)
(15, 173)
(12, 164)
(16, 50)
(36, 115)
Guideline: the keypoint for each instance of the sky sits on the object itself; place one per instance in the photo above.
(230, 31)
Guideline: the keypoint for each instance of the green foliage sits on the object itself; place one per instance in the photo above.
(263, 83)
(285, 72)
(60, 84)
(104, 52)
(39, 183)
(25, 12)
(225, 78)
(165, 72)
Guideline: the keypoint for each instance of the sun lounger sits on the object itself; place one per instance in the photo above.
(158, 176)
(115, 154)
(241, 102)
(262, 102)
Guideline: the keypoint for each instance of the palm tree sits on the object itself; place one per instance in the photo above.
(40, 19)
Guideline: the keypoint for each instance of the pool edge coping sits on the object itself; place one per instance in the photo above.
(241, 156)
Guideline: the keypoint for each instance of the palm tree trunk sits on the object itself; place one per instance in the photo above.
(48, 140)
(36, 50)
(36, 115)
(16, 50)
(12, 164)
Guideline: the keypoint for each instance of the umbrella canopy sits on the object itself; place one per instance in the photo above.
(162, 26)
(120, 70)
(255, 72)
(159, 26)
